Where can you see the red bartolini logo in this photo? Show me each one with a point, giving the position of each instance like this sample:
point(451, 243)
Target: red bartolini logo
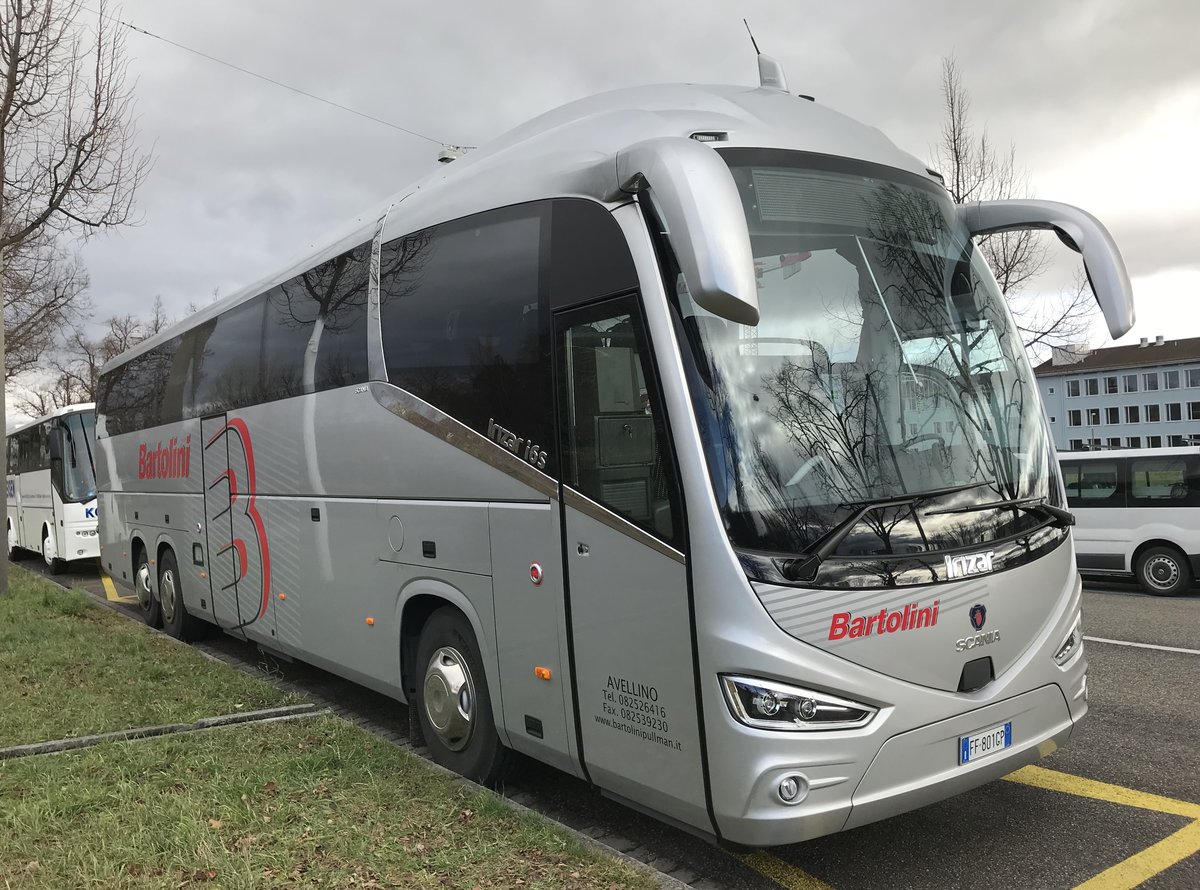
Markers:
point(885, 621)
point(170, 461)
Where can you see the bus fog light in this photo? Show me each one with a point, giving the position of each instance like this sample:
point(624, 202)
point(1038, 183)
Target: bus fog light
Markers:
point(767, 704)
point(793, 789)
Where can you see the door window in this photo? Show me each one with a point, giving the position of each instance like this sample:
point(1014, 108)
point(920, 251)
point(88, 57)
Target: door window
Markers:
point(614, 441)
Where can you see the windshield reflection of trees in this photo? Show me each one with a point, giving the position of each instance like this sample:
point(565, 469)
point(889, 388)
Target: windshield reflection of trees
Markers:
point(845, 422)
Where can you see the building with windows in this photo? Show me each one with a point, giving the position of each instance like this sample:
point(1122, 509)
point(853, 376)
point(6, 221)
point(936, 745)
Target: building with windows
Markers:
point(1145, 395)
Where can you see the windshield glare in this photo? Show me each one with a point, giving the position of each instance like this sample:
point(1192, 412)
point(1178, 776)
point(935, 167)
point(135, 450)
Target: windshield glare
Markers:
point(885, 364)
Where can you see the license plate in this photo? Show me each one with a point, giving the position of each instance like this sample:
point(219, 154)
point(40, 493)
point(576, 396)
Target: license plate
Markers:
point(984, 743)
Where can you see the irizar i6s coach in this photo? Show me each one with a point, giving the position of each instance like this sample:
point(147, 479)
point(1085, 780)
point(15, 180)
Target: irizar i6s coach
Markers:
point(680, 439)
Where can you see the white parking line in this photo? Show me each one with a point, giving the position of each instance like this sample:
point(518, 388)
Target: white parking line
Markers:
point(1143, 645)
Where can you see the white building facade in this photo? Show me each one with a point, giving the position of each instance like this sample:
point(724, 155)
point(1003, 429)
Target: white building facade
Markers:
point(1145, 395)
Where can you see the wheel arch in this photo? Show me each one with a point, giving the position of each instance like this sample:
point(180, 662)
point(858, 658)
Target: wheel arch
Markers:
point(1154, 542)
point(417, 601)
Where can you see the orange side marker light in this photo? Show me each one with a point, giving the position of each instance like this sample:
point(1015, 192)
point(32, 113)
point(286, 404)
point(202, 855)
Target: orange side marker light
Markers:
point(282, 596)
point(542, 673)
point(370, 621)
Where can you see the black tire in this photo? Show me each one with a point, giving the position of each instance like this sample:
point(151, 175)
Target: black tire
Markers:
point(476, 752)
point(151, 608)
point(175, 618)
point(15, 553)
point(55, 565)
point(1164, 571)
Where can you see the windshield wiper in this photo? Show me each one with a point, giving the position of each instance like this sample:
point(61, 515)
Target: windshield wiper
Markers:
point(1056, 516)
point(803, 567)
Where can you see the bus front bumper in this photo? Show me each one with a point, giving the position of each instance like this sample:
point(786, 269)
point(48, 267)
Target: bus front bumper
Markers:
point(911, 769)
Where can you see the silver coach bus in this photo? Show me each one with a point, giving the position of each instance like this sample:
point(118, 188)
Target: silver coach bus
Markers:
point(680, 439)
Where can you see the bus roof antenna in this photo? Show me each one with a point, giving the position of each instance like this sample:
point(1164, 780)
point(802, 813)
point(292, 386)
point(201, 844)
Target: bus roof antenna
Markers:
point(770, 72)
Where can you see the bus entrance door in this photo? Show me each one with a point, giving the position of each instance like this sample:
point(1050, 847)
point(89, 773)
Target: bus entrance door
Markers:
point(627, 586)
point(239, 565)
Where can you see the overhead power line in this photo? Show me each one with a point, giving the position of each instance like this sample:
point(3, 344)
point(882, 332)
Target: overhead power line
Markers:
point(277, 83)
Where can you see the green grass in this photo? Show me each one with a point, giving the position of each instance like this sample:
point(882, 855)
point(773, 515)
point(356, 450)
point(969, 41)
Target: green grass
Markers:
point(69, 667)
point(311, 803)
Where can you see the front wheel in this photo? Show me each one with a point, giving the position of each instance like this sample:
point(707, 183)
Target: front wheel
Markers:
point(453, 704)
point(50, 554)
point(1164, 571)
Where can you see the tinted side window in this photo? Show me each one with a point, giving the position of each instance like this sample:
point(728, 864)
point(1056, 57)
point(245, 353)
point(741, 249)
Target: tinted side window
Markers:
point(1164, 481)
point(135, 395)
point(590, 258)
point(229, 375)
point(323, 310)
point(1093, 483)
point(461, 307)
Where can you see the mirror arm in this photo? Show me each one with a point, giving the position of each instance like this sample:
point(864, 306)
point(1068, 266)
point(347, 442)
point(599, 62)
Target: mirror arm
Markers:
point(702, 209)
point(1080, 231)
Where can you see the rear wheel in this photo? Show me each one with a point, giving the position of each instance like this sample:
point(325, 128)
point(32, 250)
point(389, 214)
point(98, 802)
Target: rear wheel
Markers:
point(1164, 571)
point(453, 704)
point(50, 553)
point(175, 618)
point(151, 610)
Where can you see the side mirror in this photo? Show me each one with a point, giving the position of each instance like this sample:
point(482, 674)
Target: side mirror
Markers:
point(702, 210)
point(55, 440)
point(1081, 232)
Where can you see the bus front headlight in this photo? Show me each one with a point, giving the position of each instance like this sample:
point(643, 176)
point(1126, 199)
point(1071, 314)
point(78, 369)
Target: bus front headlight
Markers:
point(769, 704)
point(1072, 643)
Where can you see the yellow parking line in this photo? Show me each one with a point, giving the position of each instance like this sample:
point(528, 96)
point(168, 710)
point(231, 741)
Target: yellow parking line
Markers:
point(1142, 866)
point(781, 872)
point(110, 591)
point(1052, 780)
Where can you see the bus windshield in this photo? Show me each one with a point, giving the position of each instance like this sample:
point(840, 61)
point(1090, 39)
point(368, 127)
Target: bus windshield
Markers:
point(79, 478)
point(885, 364)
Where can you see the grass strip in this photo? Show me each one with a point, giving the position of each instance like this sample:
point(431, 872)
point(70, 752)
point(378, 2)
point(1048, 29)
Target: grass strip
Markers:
point(69, 667)
point(313, 804)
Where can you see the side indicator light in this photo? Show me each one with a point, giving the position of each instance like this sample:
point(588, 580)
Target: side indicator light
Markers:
point(204, 574)
point(370, 621)
point(282, 596)
point(542, 673)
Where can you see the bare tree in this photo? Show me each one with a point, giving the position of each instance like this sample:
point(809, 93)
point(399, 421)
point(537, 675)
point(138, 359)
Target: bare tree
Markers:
point(68, 160)
point(44, 290)
point(74, 368)
point(976, 171)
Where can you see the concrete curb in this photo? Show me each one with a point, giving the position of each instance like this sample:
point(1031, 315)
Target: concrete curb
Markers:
point(267, 715)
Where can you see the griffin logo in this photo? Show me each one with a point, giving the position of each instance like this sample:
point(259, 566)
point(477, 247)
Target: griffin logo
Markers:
point(978, 616)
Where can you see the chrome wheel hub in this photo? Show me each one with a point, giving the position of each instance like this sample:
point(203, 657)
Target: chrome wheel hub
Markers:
point(450, 698)
point(141, 584)
point(1162, 572)
point(167, 595)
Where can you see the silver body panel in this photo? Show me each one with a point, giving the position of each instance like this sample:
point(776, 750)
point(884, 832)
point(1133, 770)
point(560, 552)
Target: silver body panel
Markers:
point(350, 486)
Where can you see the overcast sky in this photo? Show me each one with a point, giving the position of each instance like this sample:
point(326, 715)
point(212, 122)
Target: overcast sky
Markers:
point(1100, 99)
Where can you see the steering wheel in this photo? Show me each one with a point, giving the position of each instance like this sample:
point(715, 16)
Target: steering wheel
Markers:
point(907, 444)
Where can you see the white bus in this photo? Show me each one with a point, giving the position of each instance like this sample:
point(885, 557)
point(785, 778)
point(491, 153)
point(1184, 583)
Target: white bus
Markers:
point(1138, 512)
point(52, 487)
point(680, 439)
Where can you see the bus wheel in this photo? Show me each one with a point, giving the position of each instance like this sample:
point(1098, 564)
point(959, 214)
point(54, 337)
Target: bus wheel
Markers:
point(14, 550)
point(151, 610)
point(50, 553)
point(1164, 571)
point(453, 704)
point(176, 620)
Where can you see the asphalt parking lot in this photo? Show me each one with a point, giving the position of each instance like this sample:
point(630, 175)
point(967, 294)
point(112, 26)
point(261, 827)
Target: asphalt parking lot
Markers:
point(1118, 807)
